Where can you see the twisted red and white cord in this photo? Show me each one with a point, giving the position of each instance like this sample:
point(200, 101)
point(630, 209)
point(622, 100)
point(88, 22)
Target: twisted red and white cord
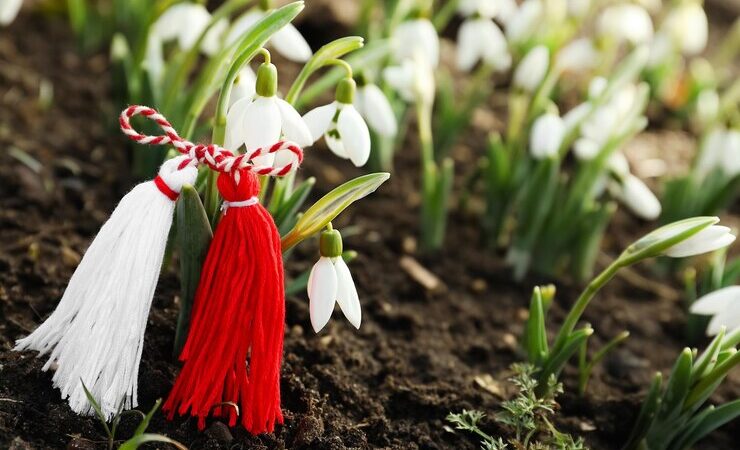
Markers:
point(214, 156)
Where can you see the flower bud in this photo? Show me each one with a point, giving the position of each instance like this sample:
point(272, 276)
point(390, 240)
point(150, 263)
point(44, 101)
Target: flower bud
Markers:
point(345, 92)
point(532, 69)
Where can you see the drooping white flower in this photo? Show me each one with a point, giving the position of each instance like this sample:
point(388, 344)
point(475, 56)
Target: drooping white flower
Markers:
point(262, 120)
point(707, 240)
point(724, 307)
point(687, 25)
point(661, 49)
point(638, 198)
point(330, 282)
point(413, 80)
point(532, 69)
point(524, 22)
point(9, 10)
point(480, 39)
point(288, 41)
point(154, 61)
point(720, 150)
point(579, 55)
point(373, 105)
point(215, 38)
point(626, 22)
point(183, 22)
point(416, 39)
point(345, 132)
point(546, 136)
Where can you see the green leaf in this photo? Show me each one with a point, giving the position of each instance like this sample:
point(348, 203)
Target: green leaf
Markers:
point(708, 383)
point(706, 362)
point(285, 215)
point(709, 420)
point(193, 237)
point(646, 415)
point(536, 334)
point(144, 424)
point(331, 205)
point(677, 387)
point(137, 441)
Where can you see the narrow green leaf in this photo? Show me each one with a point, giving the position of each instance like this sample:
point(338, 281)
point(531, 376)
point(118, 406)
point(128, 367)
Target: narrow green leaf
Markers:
point(331, 205)
point(144, 424)
point(137, 441)
point(98, 411)
point(646, 415)
point(536, 337)
point(677, 387)
point(285, 215)
point(193, 237)
point(705, 363)
point(708, 383)
point(712, 419)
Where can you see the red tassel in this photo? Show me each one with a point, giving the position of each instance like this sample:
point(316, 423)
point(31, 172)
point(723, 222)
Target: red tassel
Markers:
point(234, 349)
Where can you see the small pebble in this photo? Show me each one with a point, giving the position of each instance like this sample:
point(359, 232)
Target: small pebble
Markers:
point(220, 432)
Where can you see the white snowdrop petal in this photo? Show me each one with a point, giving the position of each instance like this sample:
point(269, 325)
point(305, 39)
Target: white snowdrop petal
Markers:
point(154, 61)
point(242, 25)
point(290, 43)
point(214, 39)
point(235, 124)
point(336, 146)
point(354, 135)
point(347, 297)
point(688, 26)
point(577, 56)
point(9, 10)
point(401, 78)
point(319, 119)
point(524, 21)
point(626, 22)
point(710, 155)
point(468, 45)
point(493, 46)
point(262, 125)
point(532, 69)
point(417, 36)
point(639, 198)
point(706, 240)
point(294, 128)
point(377, 110)
point(546, 136)
point(731, 152)
point(716, 302)
point(322, 292)
point(586, 149)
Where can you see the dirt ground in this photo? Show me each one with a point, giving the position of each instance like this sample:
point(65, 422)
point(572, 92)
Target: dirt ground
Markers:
point(64, 166)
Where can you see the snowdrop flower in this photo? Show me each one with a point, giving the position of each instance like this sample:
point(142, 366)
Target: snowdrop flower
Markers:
point(638, 198)
point(720, 150)
point(288, 41)
point(262, 120)
point(416, 39)
point(578, 56)
point(330, 282)
point(724, 307)
point(688, 27)
point(344, 131)
point(480, 39)
point(546, 136)
point(413, 80)
point(9, 10)
point(707, 240)
point(183, 22)
point(524, 22)
point(626, 22)
point(532, 69)
point(373, 105)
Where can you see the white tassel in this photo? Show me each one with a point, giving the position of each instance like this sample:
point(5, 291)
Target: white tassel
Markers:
point(96, 333)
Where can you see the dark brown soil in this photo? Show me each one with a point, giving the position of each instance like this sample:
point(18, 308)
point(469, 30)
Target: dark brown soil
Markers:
point(390, 385)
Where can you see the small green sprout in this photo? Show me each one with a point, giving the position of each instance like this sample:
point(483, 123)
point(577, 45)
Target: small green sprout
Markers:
point(140, 435)
point(526, 416)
